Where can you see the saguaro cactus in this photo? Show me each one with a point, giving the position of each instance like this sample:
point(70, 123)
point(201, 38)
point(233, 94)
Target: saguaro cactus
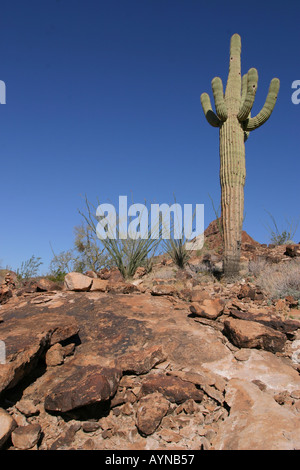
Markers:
point(233, 118)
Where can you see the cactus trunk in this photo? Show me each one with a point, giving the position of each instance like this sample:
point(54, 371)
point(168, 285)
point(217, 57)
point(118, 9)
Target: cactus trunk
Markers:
point(232, 180)
point(235, 123)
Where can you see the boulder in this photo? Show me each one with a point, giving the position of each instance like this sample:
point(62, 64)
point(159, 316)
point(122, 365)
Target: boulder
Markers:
point(288, 327)
point(249, 334)
point(84, 386)
point(78, 282)
point(208, 308)
point(100, 285)
point(151, 410)
point(173, 388)
point(44, 284)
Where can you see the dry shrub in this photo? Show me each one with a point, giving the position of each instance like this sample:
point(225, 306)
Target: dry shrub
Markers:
point(257, 266)
point(280, 280)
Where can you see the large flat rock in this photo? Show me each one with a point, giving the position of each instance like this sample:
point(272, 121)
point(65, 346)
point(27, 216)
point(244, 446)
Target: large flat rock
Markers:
point(27, 340)
point(256, 421)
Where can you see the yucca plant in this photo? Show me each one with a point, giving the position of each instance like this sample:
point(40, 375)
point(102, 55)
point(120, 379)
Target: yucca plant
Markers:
point(176, 244)
point(127, 254)
point(282, 237)
point(177, 251)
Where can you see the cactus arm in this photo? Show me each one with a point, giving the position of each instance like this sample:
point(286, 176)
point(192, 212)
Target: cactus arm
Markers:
point(211, 117)
point(258, 120)
point(247, 102)
point(217, 88)
point(234, 81)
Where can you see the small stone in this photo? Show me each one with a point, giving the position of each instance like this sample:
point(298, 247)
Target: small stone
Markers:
point(295, 394)
point(127, 409)
point(55, 355)
point(90, 426)
point(242, 354)
point(26, 437)
point(7, 425)
point(27, 407)
point(170, 436)
point(163, 290)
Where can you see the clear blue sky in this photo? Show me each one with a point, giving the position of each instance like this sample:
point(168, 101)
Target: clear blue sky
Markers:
point(103, 100)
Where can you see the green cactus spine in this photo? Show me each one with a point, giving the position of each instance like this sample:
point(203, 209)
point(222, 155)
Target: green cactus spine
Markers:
point(233, 118)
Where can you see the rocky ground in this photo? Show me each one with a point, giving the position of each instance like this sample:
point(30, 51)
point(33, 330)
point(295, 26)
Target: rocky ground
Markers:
point(174, 359)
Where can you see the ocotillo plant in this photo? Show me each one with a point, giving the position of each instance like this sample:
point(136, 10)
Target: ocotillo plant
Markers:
point(233, 118)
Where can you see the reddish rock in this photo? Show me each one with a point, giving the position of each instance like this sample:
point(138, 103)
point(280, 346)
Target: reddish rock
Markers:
point(27, 407)
point(194, 295)
point(173, 388)
point(5, 294)
point(163, 290)
point(256, 421)
point(112, 275)
point(292, 251)
point(55, 355)
point(246, 291)
point(91, 274)
point(100, 285)
point(288, 327)
point(7, 425)
point(213, 237)
point(77, 282)
point(26, 437)
point(140, 362)
point(65, 440)
point(84, 386)
point(43, 285)
point(208, 308)
point(121, 287)
point(151, 410)
point(249, 334)
point(28, 340)
point(140, 272)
